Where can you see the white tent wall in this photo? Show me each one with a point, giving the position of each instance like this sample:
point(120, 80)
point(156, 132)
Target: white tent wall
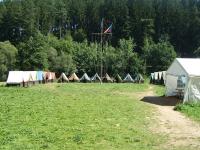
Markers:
point(172, 74)
point(15, 77)
point(160, 75)
point(171, 85)
point(27, 76)
point(156, 76)
point(192, 90)
point(164, 76)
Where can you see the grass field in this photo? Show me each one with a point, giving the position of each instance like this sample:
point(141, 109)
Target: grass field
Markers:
point(191, 110)
point(76, 116)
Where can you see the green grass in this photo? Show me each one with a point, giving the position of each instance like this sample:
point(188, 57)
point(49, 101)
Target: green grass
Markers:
point(2, 83)
point(191, 110)
point(159, 90)
point(75, 116)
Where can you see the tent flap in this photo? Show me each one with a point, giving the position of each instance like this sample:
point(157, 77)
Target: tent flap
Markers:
point(192, 91)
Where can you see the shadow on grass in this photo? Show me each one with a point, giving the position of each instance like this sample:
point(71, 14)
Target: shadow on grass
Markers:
point(161, 100)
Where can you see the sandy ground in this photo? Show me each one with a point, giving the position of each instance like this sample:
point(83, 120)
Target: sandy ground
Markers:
point(180, 130)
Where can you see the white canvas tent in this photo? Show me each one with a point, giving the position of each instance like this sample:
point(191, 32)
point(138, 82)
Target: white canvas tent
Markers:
point(63, 78)
point(190, 68)
point(19, 78)
point(128, 78)
point(14, 77)
point(33, 75)
point(85, 78)
point(96, 78)
point(74, 78)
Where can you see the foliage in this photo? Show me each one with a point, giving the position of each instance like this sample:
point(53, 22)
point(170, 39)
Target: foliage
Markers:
point(76, 116)
point(131, 18)
point(8, 59)
point(128, 60)
point(56, 35)
point(191, 110)
point(33, 53)
point(160, 56)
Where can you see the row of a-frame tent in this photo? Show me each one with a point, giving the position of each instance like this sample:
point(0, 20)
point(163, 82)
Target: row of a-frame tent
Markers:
point(26, 78)
point(96, 78)
point(158, 77)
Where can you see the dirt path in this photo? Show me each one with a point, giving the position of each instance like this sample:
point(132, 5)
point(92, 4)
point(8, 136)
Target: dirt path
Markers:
point(182, 131)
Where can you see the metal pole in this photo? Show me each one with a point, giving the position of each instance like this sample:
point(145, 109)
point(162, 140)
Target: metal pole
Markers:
point(102, 48)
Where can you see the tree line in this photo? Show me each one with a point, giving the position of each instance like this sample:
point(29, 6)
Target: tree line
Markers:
point(56, 34)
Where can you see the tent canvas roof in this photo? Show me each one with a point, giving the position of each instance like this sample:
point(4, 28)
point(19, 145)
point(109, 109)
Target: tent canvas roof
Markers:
point(15, 77)
point(188, 65)
point(85, 77)
point(27, 76)
point(73, 77)
point(118, 78)
point(64, 77)
point(107, 78)
point(139, 77)
point(96, 78)
point(128, 78)
point(33, 75)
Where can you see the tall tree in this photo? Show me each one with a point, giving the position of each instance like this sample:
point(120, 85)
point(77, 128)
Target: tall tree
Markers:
point(33, 53)
point(8, 59)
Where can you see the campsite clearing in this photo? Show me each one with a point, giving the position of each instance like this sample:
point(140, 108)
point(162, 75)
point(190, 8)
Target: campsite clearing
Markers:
point(75, 116)
point(90, 116)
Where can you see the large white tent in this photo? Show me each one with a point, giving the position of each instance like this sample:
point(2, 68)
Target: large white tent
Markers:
point(15, 77)
point(190, 69)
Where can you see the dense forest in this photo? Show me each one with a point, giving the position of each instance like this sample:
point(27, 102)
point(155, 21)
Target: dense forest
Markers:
point(56, 35)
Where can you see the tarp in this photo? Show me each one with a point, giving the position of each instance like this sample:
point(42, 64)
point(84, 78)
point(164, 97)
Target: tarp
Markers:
point(128, 78)
point(85, 78)
point(15, 77)
point(63, 78)
point(74, 78)
point(107, 78)
point(118, 78)
point(96, 78)
point(39, 75)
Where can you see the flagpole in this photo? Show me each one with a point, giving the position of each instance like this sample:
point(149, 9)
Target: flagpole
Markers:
point(102, 47)
point(102, 33)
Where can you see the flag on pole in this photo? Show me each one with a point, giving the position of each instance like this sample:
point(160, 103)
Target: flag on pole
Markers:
point(109, 30)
